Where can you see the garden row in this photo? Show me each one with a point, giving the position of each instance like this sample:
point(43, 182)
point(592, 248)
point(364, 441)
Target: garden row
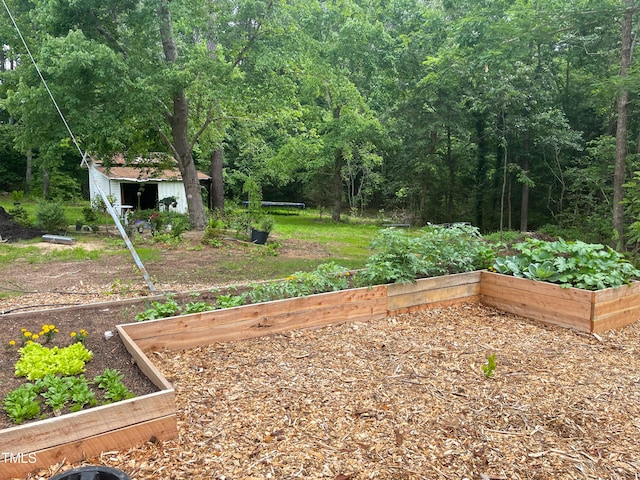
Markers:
point(152, 417)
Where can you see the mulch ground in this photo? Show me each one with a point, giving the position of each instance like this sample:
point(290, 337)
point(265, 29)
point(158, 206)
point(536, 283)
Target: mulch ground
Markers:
point(402, 398)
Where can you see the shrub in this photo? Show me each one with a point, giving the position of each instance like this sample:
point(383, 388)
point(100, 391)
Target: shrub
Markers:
point(50, 217)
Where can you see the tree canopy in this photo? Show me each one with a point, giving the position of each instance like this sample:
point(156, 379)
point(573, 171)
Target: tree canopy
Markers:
point(505, 114)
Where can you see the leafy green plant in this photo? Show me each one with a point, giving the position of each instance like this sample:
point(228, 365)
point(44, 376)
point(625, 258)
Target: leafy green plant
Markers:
point(50, 217)
point(36, 361)
point(159, 310)
point(230, 301)
point(325, 278)
point(56, 391)
point(589, 266)
point(111, 382)
point(81, 394)
point(433, 251)
point(197, 307)
point(489, 368)
point(21, 404)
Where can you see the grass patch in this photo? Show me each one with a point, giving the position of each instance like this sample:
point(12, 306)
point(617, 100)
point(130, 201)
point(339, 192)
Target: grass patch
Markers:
point(345, 241)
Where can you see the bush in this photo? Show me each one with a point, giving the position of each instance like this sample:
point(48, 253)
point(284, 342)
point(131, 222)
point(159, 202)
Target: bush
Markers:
point(50, 217)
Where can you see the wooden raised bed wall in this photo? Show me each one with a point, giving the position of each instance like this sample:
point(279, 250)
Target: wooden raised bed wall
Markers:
point(255, 320)
point(587, 311)
point(429, 292)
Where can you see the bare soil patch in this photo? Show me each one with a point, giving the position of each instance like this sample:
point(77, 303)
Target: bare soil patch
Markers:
point(88, 295)
point(403, 398)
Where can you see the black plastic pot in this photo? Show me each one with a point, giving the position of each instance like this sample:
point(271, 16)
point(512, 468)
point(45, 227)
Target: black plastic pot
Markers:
point(92, 473)
point(259, 237)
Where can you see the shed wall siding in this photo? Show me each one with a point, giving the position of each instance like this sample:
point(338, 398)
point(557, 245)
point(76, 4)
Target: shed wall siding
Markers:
point(174, 189)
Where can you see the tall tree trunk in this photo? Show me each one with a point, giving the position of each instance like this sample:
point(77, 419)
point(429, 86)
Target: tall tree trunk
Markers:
point(622, 125)
point(452, 176)
point(481, 169)
point(524, 198)
point(179, 120)
point(45, 182)
point(337, 186)
point(28, 171)
point(217, 181)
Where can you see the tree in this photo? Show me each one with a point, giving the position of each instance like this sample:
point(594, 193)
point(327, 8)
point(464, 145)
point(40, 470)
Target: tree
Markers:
point(622, 128)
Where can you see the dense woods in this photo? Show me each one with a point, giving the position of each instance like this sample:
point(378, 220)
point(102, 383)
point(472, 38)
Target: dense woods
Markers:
point(508, 114)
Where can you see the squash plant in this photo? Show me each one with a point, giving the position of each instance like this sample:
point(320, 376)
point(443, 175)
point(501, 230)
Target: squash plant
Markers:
point(589, 266)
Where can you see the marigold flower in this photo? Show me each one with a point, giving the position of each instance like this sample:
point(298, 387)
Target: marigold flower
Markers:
point(12, 342)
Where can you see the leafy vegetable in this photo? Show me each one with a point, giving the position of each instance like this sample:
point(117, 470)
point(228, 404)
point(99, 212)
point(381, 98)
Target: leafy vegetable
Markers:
point(36, 361)
point(570, 264)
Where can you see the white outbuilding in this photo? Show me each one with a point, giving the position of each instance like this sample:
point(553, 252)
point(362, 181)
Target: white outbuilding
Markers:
point(141, 183)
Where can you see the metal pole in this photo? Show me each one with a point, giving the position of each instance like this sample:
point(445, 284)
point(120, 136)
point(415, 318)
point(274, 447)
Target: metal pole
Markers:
point(124, 235)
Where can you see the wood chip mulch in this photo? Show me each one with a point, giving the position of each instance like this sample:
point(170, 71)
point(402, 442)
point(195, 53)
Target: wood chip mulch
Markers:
point(402, 398)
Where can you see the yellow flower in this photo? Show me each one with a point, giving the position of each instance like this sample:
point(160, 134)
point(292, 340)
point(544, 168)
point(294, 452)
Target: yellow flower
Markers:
point(72, 334)
point(23, 330)
point(12, 342)
point(27, 334)
point(35, 336)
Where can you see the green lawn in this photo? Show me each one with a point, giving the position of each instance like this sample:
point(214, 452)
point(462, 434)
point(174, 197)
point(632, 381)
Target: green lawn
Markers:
point(348, 242)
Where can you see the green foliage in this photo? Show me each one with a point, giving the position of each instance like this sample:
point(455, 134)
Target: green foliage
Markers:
point(20, 215)
point(159, 310)
point(50, 217)
point(197, 307)
point(214, 232)
point(111, 382)
point(21, 404)
point(89, 215)
point(325, 278)
point(230, 301)
point(81, 394)
point(433, 251)
point(36, 361)
point(570, 264)
point(55, 390)
point(489, 368)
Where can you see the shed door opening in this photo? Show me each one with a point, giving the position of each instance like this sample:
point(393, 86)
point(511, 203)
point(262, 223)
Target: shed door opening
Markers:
point(148, 199)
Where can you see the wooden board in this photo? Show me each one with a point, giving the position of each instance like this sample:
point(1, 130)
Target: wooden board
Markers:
point(429, 292)
point(616, 307)
point(74, 427)
point(255, 320)
point(545, 302)
point(157, 429)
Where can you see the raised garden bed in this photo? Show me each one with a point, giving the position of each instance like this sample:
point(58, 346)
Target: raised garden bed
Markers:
point(152, 417)
point(75, 436)
point(584, 310)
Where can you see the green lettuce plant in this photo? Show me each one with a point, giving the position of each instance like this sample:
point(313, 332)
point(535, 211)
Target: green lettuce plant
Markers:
point(111, 382)
point(36, 361)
